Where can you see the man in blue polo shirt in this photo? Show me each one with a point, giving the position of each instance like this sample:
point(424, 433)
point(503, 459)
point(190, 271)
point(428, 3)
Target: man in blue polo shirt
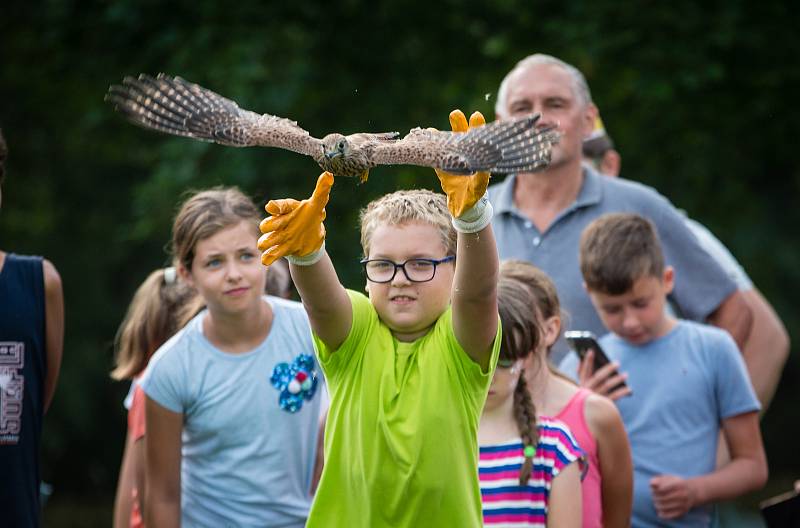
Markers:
point(539, 216)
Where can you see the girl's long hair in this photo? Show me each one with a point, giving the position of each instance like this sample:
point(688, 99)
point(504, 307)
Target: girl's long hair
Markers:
point(521, 335)
point(158, 310)
point(543, 294)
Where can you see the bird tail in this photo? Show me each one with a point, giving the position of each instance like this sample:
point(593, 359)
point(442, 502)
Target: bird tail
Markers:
point(173, 106)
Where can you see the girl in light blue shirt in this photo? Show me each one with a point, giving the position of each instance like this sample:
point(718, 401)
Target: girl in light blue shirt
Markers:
point(234, 399)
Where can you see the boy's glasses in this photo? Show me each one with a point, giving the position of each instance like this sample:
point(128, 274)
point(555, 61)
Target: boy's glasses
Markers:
point(415, 270)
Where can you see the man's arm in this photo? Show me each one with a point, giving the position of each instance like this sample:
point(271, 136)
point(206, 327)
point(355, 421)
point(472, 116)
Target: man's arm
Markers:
point(766, 349)
point(734, 315)
point(54, 328)
point(295, 231)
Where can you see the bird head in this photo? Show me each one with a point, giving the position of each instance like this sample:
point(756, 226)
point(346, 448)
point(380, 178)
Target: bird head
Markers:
point(335, 146)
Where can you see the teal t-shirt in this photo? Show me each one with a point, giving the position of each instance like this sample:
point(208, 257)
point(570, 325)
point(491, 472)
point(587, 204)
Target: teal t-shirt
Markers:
point(401, 445)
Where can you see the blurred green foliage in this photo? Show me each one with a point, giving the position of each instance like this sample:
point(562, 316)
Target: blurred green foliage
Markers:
point(698, 97)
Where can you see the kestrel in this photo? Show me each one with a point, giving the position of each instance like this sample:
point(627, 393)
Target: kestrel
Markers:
point(176, 106)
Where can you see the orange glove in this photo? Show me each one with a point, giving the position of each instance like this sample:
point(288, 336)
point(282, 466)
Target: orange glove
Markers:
point(463, 191)
point(295, 229)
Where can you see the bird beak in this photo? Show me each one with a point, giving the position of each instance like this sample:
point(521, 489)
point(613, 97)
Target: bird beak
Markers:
point(334, 154)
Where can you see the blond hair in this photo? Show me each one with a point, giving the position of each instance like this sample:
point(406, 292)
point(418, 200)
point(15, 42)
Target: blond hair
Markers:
point(401, 207)
point(616, 250)
point(157, 311)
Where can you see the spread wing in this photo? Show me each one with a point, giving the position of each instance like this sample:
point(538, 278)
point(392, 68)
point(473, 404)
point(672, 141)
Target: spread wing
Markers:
point(500, 146)
point(176, 106)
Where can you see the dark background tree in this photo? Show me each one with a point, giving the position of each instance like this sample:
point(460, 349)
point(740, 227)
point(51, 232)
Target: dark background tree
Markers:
point(698, 100)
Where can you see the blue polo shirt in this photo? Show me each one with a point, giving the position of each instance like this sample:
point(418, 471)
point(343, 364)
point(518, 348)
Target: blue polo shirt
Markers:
point(700, 283)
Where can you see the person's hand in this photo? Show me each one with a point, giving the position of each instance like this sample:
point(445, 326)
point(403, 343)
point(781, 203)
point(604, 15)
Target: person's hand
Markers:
point(604, 379)
point(295, 228)
point(673, 496)
point(463, 191)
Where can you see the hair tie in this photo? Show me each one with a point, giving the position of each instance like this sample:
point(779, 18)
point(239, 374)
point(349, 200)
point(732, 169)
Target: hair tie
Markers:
point(170, 274)
point(529, 451)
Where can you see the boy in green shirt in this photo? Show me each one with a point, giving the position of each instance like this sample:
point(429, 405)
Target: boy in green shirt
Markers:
point(408, 369)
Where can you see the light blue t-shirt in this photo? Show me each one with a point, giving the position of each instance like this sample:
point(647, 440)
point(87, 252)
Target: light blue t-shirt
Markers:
point(247, 459)
point(684, 384)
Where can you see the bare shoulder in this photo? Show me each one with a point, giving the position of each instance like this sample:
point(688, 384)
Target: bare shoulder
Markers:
point(52, 279)
point(601, 415)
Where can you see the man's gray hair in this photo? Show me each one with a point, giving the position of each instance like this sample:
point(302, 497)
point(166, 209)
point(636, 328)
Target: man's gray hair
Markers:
point(579, 86)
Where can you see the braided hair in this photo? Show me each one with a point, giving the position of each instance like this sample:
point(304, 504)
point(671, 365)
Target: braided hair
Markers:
point(521, 334)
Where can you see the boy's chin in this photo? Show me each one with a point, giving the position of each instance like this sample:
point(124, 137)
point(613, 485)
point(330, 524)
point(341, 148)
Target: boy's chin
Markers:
point(408, 330)
point(638, 339)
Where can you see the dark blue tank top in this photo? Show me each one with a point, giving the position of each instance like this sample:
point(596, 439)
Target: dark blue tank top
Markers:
point(23, 366)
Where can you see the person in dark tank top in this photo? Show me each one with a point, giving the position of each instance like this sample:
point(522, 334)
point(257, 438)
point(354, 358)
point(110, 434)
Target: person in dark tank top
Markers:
point(31, 342)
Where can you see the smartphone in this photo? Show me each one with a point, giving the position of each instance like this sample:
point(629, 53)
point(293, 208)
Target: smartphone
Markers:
point(581, 342)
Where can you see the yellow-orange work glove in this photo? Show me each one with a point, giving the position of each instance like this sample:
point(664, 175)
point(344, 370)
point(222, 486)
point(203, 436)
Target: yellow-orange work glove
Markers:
point(295, 229)
point(464, 192)
point(466, 195)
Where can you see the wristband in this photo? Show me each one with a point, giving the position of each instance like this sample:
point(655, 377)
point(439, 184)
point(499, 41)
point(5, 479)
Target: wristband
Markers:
point(307, 260)
point(476, 217)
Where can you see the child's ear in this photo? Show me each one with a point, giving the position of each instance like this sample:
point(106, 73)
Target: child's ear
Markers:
point(552, 329)
point(669, 279)
point(185, 275)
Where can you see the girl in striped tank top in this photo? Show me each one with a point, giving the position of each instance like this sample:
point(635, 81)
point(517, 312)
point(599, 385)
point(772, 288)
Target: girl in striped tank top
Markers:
point(529, 470)
point(595, 422)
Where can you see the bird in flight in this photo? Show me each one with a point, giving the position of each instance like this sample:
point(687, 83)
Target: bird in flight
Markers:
point(179, 107)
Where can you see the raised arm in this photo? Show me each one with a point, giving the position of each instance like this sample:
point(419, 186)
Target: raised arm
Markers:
point(295, 230)
point(54, 329)
point(474, 297)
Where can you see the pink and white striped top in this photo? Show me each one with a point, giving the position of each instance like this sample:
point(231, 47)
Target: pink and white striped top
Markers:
point(507, 504)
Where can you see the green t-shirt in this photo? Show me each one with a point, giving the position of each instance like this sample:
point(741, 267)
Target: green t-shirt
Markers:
point(401, 446)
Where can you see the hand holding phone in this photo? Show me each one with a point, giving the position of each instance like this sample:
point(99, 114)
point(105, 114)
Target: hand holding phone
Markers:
point(604, 379)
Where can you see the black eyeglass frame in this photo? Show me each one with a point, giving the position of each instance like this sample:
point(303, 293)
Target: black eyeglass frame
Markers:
point(402, 266)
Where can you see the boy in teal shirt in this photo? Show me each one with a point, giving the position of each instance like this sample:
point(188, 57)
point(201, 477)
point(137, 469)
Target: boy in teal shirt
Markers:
point(408, 369)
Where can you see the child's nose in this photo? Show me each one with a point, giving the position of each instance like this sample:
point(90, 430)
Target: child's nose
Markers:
point(234, 273)
point(629, 319)
point(400, 277)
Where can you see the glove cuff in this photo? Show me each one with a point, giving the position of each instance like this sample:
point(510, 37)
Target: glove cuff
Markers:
point(307, 260)
point(476, 217)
